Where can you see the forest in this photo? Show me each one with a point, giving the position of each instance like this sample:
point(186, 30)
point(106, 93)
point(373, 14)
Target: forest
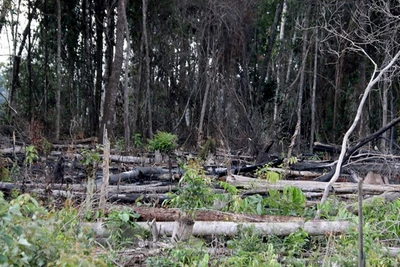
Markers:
point(244, 73)
point(265, 106)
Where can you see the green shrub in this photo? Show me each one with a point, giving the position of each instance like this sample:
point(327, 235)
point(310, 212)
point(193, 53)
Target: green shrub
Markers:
point(32, 236)
point(196, 192)
point(163, 141)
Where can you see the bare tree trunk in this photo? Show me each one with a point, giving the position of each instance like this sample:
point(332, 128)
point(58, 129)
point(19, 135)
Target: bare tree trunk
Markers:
point(279, 77)
point(338, 88)
point(58, 66)
point(127, 128)
point(314, 89)
point(112, 87)
point(106, 173)
point(270, 44)
point(99, 14)
point(294, 144)
point(147, 59)
point(385, 91)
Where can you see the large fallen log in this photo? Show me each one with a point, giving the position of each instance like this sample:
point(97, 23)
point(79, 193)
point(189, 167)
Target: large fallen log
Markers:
point(156, 187)
point(206, 228)
point(171, 214)
point(307, 186)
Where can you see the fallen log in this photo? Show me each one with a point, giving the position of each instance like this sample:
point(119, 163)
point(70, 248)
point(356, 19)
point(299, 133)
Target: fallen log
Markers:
point(144, 173)
point(172, 214)
point(388, 196)
point(307, 186)
point(157, 187)
point(206, 228)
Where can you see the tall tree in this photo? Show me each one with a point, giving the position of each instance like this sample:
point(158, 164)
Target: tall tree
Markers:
point(58, 66)
point(107, 121)
point(147, 70)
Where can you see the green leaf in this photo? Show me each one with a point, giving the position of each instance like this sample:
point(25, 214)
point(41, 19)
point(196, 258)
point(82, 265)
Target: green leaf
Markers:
point(3, 259)
point(23, 242)
point(124, 217)
point(7, 239)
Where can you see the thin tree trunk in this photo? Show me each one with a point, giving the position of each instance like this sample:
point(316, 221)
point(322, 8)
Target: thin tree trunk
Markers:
point(338, 88)
point(147, 59)
point(17, 57)
point(58, 66)
point(127, 128)
point(385, 92)
point(106, 173)
point(279, 77)
point(314, 90)
point(99, 14)
point(208, 75)
point(270, 44)
point(112, 87)
point(294, 144)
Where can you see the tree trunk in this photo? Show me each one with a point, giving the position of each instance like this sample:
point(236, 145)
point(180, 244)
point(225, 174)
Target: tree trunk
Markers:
point(58, 66)
point(106, 173)
point(314, 90)
point(294, 145)
point(147, 77)
point(17, 57)
point(112, 87)
point(127, 128)
point(270, 44)
point(279, 76)
point(99, 15)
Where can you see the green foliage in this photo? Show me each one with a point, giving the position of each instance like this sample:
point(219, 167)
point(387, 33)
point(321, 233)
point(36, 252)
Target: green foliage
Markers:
point(189, 254)
point(266, 173)
point(137, 141)
point(31, 154)
point(163, 141)
point(120, 145)
point(194, 191)
point(91, 157)
point(249, 249)
point(32, 236)
point(121, 226)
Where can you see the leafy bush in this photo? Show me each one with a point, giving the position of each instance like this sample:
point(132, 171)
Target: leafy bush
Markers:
point(121, 224)
point(196, 192)
point(163, 141)
point(32, 236)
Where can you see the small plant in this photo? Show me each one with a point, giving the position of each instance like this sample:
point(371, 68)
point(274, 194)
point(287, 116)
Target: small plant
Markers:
point(137, 141)
point(31, 154)
point(163, 141)
point(91, 159)
point(121, 226)
point(196, 192)
point(266, 173)
point(32, 236)
point(120, 145)
point(290, 202)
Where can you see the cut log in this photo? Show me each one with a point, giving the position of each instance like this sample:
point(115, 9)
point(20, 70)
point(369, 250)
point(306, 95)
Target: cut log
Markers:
point(183, 228)
point(156, 187)
point(307, 186)
point(161, 214)
point(204, 228)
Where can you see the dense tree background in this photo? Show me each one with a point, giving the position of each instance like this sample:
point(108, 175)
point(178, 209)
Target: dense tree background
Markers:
point(243, 72)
